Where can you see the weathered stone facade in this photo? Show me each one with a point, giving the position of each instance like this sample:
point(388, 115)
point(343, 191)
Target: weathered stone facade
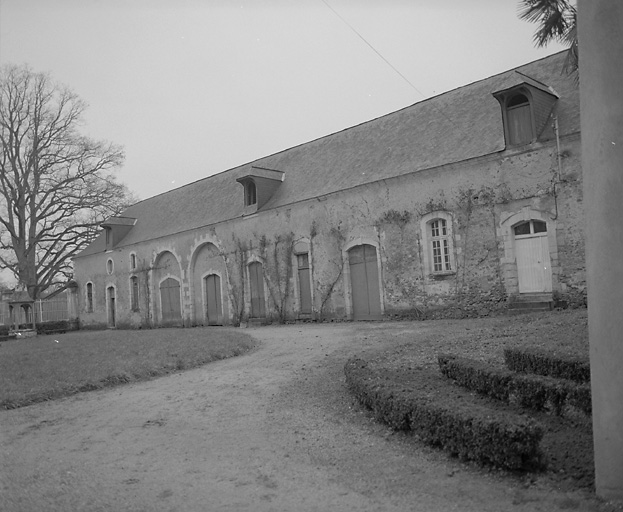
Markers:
point(414, 229)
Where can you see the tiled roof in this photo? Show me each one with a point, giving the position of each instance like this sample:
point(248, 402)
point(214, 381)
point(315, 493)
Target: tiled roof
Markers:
point(458, 125)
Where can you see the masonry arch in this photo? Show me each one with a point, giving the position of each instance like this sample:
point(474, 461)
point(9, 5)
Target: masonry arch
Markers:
point(257, 287)
point(362, 280)
point(167, 277)
point(210, 301)
point(530, 252)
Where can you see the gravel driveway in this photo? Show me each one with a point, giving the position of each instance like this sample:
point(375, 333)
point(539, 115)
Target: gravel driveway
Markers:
point(274, 429)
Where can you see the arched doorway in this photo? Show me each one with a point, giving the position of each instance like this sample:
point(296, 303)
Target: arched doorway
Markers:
point(213, 302)
point(256, 281)
point(364, 281)
point(534, 270)
point(110, 300)
point(208, 292)
point(170, 301)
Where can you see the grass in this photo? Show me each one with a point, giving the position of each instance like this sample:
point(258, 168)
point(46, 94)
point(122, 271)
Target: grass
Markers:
point(52, 366)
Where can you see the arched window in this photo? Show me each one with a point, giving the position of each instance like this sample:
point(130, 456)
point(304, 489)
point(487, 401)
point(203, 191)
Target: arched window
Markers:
point(109, 266)
point(89, 297)
point(438, 243)
point(519, 124)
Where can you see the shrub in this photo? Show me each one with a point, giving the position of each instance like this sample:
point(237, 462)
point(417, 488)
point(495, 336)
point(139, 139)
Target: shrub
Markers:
point(537, 392)
point(541, 362)
point(443, 415)
point(53, 327)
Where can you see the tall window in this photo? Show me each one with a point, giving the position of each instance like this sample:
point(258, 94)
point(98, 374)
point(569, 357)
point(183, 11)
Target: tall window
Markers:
point(134, 292)
point(89, 297)
point(133, 261)
point(440, 245)
point(250, 193)
point(519, 120)
point(437, 243)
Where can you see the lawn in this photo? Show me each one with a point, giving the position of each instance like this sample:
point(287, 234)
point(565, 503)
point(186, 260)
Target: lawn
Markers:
point(568, 445)
point(52, 366)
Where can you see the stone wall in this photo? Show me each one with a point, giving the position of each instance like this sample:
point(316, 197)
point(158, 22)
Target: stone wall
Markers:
point(482, 198)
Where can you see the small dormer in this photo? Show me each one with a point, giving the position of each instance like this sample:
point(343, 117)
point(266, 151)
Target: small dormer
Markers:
point(526, 107)
point(116, 228)
point(259, 186)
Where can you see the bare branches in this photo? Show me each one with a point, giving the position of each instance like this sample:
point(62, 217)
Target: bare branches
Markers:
point(56, 186)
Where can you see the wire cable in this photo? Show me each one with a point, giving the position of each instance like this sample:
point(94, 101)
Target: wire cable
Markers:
point(383, 58)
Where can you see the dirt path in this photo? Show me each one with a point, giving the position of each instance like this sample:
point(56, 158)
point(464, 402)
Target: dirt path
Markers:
point(273, 430)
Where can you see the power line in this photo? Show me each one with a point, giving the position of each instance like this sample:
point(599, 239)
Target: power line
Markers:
point(384, 59)
point(374, 49)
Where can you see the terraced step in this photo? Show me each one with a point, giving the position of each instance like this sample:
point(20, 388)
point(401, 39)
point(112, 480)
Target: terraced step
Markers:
point(423, 403)
point(561, 397)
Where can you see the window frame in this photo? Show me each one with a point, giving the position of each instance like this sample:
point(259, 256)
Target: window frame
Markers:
point(440, 246)
point(429, 240)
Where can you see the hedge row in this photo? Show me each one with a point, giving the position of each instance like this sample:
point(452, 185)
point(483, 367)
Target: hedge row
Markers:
point(443, 415)
point(53, 327)
point(534, 360)
point(537, 392)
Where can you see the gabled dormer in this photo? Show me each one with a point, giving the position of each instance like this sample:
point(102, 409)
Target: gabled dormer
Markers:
point(259, 186)
point(116, 228)
point(526, 108)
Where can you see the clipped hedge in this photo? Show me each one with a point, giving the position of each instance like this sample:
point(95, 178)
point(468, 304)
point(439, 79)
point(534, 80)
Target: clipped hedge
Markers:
point(54, 327)
point(541, 362)
point(443, 415)
point(537, 392)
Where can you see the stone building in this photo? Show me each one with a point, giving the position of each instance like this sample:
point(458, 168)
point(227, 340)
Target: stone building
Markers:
point(460, 205)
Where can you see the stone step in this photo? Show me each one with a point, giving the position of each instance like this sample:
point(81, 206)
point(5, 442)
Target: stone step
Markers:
point(530, 306)
point(256, 322)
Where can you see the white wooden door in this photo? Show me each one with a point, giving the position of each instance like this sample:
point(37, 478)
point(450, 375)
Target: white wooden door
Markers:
point(533, 264)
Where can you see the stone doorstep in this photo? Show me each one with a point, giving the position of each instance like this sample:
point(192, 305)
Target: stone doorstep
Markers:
point(531, 302)
point(256, 322)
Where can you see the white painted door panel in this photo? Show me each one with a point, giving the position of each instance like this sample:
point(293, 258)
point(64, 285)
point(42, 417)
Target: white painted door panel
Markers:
point(533, 264)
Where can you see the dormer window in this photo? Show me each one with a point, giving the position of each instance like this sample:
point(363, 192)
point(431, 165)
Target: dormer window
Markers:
point(519, 120)
point(116, 229)
point(260, 185)
point(527, 107)
point(250, 193)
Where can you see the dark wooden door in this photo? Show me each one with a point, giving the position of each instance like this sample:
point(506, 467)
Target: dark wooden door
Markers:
point(170, 300)
point(258, 303)
point(112, 321)
point(214, 308)
point(364, 280)
point(304, 283)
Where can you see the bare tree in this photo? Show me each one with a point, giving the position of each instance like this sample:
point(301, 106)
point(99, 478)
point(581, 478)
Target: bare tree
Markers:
point(56, 185)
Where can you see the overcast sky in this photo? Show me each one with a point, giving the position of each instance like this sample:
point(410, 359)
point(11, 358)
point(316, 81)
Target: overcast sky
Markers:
point(194, 87)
